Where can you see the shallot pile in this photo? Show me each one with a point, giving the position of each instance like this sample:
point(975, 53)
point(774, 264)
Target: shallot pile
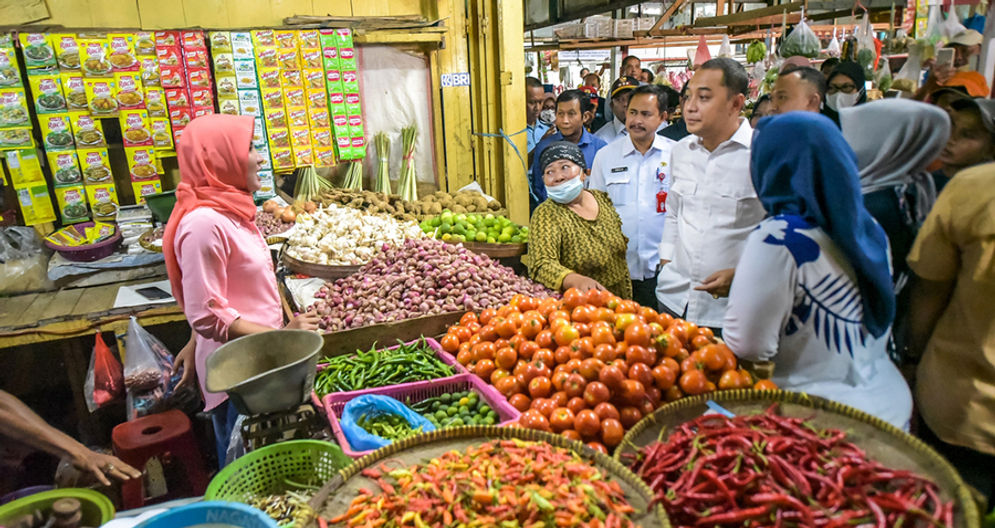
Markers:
point(270, 224)
point(420, 277)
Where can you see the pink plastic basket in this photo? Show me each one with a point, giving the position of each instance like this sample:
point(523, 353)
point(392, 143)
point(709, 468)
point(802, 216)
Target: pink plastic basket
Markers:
point(416, 392)
point(446, 358)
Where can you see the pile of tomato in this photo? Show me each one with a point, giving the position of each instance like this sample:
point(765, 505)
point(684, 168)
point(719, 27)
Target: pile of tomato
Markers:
point(590, 365)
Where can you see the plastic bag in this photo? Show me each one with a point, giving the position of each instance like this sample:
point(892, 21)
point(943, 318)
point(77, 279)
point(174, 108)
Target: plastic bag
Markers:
point(725, 50)
point(866, 50)
point(834, 49)
point(372, 405)
point(802, 41)
point(934, 24)
point(24, 261)
point(147, 368)
point(882, 76)
point(701, 55)
point(104, 381)
point(907, 78)
point(951, 25)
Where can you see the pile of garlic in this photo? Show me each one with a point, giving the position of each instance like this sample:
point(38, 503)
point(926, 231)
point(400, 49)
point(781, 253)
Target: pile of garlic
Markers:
point(342, 236)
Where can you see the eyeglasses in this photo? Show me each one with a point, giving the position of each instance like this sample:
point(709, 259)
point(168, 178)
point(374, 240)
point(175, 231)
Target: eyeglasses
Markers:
point(845, 88)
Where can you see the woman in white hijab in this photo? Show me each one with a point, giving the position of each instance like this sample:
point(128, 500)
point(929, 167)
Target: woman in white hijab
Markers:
point(895, 140)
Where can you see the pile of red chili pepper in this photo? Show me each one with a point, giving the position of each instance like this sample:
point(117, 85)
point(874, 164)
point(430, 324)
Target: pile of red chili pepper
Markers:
point(507, 483)
point(769, 470)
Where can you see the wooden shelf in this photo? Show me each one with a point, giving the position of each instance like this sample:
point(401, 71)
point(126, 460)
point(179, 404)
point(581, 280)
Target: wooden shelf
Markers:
point(434, 36)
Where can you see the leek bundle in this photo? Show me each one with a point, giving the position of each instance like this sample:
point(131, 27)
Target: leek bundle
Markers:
point(382, 184)
point(354, 177)
point(407, 185)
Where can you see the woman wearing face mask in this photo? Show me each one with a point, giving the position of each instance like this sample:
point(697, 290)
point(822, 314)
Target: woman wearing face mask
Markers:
point(217, 260)
point(576, 238)
point(845, 89)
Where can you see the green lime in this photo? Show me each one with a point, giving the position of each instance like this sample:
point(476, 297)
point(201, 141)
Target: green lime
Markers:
point(440, 415)
point(504, 238)
point(489, 421)
point(491, 240)
point(481, 236)
point(452, 411)
point(516, 239)
point(446, 227)
point(456, 422)
point(436, 404)
point(460, 217)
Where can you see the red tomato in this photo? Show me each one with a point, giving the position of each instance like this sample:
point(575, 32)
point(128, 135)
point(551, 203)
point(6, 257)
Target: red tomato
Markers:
point(508, 386)
point(595, 298)
point(487, 315)
point(561, 419)
point(468, 317)
point(461, 332)
point(637, 334)
point(595, 393)
point(450, 343)
point(765, 385)
point(647, 406)
point(544, 339)
point(548, 305)
point(605, 352)
point(488, 332)
point(640, 354)
point(602, 334)
point(465, 357)
point(587, 423)
point(665, 320)
point(543, 405)
point(533, 419)
point(632, 392)
point(562, 354)
point(582, 314)
point(624, 320)
point(572, 435)
point(565, 335)
point(627, 306)
point(605, 315)
point(680, 329)
point(583, 329)
point(506, 358)
point(520, 402)
point(630, 416)
point(590, 367)
point(612, 377)
point(572, 298)
point(664, 377)
point(559, 378)
point(641, 373)
point(730, 380)
point(497, 375)
point(574, 385)
point(655, 396)
point(700, 341)
point(694, 382)
point(672, 394)
point(605, 410)
point(540, 387)
point(560, 398)
point(612, 432)
point(527, 349)
point(712, 357)
point(485, 368)
point(585, 345)
point(597, 446)
point(544, 356)
point(576, 405)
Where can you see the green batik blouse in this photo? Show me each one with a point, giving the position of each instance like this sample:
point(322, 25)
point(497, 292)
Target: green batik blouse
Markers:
point(561, 242)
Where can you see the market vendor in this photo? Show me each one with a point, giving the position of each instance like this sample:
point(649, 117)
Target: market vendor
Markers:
point(813, 291)
point(576, 238)
point(20, 424)
point(218, 263)
point(573, 107)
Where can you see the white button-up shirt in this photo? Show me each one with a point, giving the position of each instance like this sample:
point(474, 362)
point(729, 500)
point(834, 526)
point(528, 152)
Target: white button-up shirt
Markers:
point(610, 131)
point(711, 209)
point(633, 181)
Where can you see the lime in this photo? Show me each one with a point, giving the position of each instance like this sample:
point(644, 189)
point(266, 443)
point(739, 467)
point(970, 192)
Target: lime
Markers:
point(435, 222)
point(445, 398)
point(491, 240)
point(504, 238)
point(516, 239)
point(452, 411)
point(481, 236)
point(464, 401)
point(460, 217)
point(456, 422)
point(489, 421)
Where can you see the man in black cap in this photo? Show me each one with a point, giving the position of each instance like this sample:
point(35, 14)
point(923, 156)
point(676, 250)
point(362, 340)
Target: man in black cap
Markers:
point(619, 95)
point(678, 130)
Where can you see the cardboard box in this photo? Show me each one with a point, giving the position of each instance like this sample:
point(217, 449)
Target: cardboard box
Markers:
point(95, 165)
point(72, 204)
point(65, 168)
point(87, 131)
point(35, 203)
point(122, 53)
point(24, 167)
point(101, 97)
point(136, 129)
point(56, 132)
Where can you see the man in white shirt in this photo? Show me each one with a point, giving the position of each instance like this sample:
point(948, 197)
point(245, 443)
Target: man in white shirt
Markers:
point(631, 67)
point(711, 204)
point(619, 96)
point(634, 171)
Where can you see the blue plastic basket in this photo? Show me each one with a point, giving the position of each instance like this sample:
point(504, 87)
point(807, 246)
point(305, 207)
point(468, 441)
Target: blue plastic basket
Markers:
point(215, 513)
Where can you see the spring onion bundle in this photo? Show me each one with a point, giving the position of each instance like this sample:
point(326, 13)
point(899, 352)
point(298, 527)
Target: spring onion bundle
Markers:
point(407, 185)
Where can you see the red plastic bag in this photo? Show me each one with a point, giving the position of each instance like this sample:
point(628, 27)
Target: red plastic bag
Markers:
point(105, 379)
point(702, 55)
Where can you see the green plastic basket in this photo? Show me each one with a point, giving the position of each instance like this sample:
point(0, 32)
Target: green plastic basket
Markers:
point(266, 471)
point(97, 509)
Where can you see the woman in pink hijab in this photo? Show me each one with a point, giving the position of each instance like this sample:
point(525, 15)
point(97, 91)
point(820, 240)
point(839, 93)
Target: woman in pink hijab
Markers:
point(217, 260)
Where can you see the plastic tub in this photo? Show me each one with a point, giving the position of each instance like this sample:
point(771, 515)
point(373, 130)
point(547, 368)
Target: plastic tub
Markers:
point(96, 508)
point(89, 252)
point(23, 492)
point(416, 392)
point(161, 205)
point(214, 514)
point(446, 358)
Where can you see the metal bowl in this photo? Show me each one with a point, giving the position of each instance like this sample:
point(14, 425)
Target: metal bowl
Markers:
point(265, 372)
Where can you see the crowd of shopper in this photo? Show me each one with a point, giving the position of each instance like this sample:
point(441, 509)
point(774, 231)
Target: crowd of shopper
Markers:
point(838, 238)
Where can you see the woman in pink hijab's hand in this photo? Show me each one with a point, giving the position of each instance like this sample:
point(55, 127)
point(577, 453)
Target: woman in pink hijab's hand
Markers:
point(218, 263)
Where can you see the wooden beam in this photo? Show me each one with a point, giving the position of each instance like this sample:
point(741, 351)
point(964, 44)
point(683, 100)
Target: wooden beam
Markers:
point(663, 18)
point(749, 15)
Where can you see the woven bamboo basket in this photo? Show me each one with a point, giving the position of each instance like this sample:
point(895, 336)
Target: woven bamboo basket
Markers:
point(419, 449)
point(879, 439)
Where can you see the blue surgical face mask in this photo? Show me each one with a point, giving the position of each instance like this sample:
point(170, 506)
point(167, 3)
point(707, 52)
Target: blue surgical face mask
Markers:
point(567, 191)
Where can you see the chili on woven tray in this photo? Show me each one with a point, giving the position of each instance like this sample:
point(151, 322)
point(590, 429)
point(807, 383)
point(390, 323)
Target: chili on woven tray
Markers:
point(771, 470)
point(507, 483)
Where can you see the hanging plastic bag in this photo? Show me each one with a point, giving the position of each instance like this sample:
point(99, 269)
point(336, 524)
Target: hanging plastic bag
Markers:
point(24, 262)
point(834, 49)
point(934, 24)
point(104, 381)
point(882, 76)
point(702, 55)
point(951, 25)
point(801, 42)
point(866, 50)
point(725, 50)
point(147, 368)
point(370, 405)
